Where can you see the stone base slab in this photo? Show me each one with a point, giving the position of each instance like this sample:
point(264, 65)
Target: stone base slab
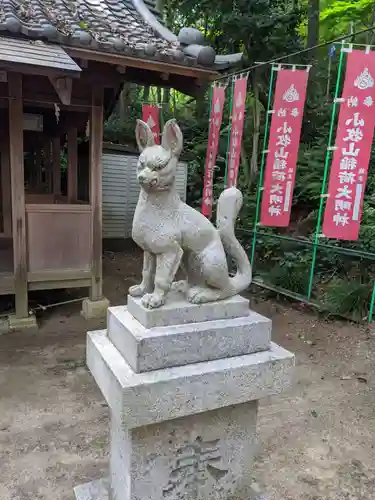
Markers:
point(94, 308)
point(178, 311)
point(99, 490)
point(29, 324)
point(151, 397)
point(162, 347)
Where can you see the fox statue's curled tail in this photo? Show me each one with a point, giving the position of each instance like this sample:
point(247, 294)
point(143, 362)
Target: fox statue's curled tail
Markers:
point(228, 207)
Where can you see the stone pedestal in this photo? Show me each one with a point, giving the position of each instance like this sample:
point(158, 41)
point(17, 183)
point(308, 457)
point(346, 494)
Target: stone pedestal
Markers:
point(183, 384)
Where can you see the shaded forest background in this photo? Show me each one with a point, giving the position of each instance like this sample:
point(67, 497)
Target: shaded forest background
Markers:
point(264, 30)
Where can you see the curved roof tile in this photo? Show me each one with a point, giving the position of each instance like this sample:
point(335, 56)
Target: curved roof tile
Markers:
point(108, 25)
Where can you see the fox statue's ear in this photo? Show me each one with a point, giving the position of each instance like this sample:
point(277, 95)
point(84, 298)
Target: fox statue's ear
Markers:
point(143, 136)
point(172, 139)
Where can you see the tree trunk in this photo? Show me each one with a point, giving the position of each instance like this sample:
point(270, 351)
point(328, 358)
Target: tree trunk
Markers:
point(159, 95)
point(313, 24)
point(256, 132)
point(370, 35)
point(146, 94)
point(123, 101)
point(160, 6)
point(167, 98)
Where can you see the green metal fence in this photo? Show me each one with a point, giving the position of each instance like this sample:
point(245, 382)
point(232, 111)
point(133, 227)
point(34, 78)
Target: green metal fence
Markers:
point(310, 286)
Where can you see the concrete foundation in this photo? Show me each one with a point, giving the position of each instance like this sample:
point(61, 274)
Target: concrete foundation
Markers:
point(183, 399)
point(28, 324)
point(4, 326)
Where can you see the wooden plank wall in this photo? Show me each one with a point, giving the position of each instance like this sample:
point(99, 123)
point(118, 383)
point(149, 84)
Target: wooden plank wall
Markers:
point(5, 195)
point(58, 237)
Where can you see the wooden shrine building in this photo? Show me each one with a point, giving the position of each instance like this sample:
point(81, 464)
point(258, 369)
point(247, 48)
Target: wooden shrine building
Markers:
point(62, 67)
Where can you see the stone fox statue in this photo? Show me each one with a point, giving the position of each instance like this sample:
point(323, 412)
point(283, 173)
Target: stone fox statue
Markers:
point(172, 234)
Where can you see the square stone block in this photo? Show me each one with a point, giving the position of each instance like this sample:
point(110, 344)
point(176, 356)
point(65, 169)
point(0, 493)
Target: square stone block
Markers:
point(94, 308)
point(207, 456)
point(156, 396)
point(147, 349)
point(178, 311)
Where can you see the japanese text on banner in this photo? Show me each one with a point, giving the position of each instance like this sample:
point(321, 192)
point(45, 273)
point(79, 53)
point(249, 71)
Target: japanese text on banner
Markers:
point(150, 115)
point(352, 151)
point(238, 118)
point(216, 116)
point(283, 145)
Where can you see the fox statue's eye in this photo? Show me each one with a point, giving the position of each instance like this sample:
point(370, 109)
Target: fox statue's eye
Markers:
point(158, 166)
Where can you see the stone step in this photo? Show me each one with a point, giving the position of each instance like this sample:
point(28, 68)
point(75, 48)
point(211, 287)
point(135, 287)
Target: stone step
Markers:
point(146, 349)
point(178, 311)
point(145, 398)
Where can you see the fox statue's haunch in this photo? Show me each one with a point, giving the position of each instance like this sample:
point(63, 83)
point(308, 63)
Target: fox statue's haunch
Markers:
point(172, 233)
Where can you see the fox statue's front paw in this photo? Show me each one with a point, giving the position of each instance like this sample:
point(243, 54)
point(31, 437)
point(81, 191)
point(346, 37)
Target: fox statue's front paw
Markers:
point(137, 290)
point(153, 300)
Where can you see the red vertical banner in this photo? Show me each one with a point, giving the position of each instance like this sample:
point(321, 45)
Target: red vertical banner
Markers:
point(216, 116)
point(238, 118)
point(150, 115)
point(352, 150)
point(283, 145)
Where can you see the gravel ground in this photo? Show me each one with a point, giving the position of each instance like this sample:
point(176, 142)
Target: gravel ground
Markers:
point(316, 441)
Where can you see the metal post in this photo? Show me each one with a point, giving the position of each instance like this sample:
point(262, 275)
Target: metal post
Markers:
point(229, 131)
point(371, 306)
point(262, 163)
point(325, 176)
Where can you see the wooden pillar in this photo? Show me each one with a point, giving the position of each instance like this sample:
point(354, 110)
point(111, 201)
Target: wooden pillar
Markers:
point(56, 169)
point(32, 179)
point(47, 164)
point(96, 144)
point(72, 164)
point(38, 168)
point(6, 186)
point(18, 192)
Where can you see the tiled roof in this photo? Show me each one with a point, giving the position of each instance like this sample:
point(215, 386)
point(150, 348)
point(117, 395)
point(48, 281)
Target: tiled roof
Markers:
point(104, 25)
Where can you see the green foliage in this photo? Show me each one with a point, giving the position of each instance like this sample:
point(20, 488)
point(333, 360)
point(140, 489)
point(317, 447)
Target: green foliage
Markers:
point(290, 273)
point(337, 16)
point(349, 298)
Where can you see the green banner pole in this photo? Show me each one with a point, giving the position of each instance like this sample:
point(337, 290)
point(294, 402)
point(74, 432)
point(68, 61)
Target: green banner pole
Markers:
point(325, 177)
point(262, 164)
point(371, 306)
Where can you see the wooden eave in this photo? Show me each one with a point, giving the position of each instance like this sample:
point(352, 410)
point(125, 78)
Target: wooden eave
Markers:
point(195, 72)
point(36, 57)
